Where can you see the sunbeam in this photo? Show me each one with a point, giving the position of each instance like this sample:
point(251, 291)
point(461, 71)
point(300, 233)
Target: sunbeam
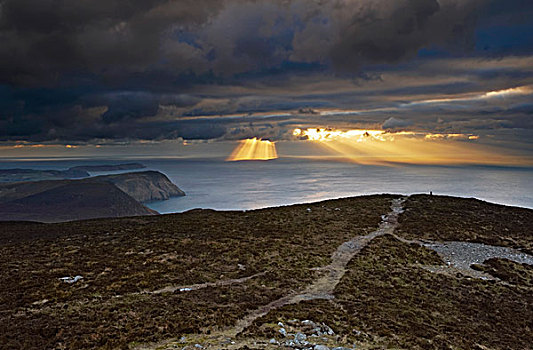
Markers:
point(254, 149)
point(379, 147)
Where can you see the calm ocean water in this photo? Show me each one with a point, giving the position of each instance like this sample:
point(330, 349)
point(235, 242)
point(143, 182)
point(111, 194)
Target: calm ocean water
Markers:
point(216, 184)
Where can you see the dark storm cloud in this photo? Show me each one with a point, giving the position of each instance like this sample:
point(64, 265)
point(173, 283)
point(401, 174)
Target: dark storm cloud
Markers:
point(52, 41)
point(380, 34)
point(133, 105)
point(44, 40)
point(113, 69)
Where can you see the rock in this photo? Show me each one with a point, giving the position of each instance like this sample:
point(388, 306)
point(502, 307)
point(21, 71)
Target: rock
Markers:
point(327, 329)
point(273, 341)
point(299, 337)
point(198, 346)
point(227, 341)
point(183, 339)
point(320, 347)
point(290, 344)
point(71, 280)
point(283, 332)
point(308, 210)
point(309, 323)
point(280, 324)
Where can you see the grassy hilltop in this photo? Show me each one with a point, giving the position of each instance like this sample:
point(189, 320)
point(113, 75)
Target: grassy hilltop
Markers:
point(174, 281)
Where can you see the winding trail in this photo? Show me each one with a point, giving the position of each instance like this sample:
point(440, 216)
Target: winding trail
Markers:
point(458, 255)
point(192, 287)
point(323, 287)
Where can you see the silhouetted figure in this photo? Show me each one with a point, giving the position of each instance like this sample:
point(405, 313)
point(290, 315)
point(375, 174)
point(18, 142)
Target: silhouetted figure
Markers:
point(431, 193)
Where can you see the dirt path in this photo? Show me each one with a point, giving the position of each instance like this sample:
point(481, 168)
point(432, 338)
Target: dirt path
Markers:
point(458, 256)
point(323, 287)
point(192, 287)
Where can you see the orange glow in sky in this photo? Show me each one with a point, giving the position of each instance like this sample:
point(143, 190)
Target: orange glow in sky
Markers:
point(254, 149)
point(380, 147)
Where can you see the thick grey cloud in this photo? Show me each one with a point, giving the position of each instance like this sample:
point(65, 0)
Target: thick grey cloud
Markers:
point(115, 69)
point(52, 41)
point(45, 41)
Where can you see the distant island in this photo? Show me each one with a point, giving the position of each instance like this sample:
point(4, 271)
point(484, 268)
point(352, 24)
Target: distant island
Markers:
point(95, 197)
point(76, 172)
point(20, 175)
point(97, 168)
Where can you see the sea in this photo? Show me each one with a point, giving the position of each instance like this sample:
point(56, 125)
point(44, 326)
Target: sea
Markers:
point(217, 184)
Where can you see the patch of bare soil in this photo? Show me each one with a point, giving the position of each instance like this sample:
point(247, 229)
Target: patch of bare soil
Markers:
point(442, 218)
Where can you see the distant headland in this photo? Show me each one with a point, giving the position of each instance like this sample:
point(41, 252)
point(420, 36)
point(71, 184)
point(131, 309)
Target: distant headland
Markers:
point(76, 172)
point(55, 200)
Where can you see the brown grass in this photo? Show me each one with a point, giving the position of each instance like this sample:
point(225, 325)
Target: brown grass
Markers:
point(119, 257)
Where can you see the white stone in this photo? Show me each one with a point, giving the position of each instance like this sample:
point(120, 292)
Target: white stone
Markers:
point(320, 347)
point(71, 280)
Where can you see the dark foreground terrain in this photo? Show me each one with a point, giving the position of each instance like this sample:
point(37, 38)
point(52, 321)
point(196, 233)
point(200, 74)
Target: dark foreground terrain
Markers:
point(367, 272)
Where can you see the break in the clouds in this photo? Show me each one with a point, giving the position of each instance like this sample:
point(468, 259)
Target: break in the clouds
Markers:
point(91, 70)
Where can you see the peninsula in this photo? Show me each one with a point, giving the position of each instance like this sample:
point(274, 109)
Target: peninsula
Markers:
point(95, 197)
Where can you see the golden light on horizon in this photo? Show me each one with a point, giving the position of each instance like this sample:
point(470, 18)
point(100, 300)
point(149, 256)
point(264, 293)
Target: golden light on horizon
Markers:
point(254, 149)
point(324, 134)
point(519, 90)
point(380, 147)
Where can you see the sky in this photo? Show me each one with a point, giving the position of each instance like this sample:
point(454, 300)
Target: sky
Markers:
point(448, 81)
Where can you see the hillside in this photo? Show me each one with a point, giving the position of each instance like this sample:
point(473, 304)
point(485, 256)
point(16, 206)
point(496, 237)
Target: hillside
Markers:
point(73, 201)
point(101, 196)
point(352, 273)
point(143, 186)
